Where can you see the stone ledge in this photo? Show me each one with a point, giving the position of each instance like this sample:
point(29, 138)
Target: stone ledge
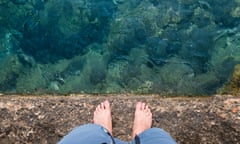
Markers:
point(46, 119)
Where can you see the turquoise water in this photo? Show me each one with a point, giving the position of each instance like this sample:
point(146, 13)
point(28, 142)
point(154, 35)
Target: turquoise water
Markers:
point(171, 47)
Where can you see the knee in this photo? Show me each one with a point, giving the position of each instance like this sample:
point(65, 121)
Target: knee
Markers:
point(154, 135)
point(159, 132)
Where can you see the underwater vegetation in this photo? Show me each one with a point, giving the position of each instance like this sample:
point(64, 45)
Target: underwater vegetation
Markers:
point(171, 47)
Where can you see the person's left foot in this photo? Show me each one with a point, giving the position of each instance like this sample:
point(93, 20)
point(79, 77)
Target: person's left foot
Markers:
point(102, 116)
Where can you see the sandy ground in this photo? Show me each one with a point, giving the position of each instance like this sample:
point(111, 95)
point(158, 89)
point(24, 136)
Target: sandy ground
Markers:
point(190, 120)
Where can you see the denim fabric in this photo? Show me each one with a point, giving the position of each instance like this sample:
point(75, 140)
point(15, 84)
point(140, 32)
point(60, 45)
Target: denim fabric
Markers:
point(87, 134)
point(96, 134)
point(155, 136)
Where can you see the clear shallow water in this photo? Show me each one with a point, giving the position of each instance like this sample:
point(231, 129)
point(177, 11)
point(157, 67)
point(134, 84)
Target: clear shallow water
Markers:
point(118, 46)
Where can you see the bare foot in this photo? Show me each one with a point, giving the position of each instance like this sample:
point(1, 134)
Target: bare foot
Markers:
point(102, 116)
point(142, 120)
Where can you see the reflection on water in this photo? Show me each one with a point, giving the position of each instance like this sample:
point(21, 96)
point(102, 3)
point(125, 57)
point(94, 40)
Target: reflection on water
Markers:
point(170, 47)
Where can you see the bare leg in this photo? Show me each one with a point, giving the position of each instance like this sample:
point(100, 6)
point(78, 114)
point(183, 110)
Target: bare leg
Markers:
point(102, 116)
point(142, 120)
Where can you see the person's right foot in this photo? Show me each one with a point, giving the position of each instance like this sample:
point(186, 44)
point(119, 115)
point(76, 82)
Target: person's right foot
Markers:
point(102, 116)
point(142, 120)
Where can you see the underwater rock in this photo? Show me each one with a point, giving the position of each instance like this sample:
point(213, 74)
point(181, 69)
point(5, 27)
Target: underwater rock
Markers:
point(197, 47)
point(5, 45)
point(146, 87)
point(63, 29)
point(116, 2)
point(26, 60)
point(202, 17)
point(32, 80)
point(9, 72)
point(103, 9)
point(132, 28)
point(3, 2)
point(236, 12)
point(97, 76)
point(157, 50)
point(54, 86)
point(233, 86)
point(95, 68)
point(19, 2)
point(175, 70)
point(204, 84)
point(9, 42)
point(225, 53)
point(187, 2)
point(222, 13)
point(236, 77)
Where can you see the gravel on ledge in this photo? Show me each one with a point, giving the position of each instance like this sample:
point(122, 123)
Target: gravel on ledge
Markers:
point(190, 120)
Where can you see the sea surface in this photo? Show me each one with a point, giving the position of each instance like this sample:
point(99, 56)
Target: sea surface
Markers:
point(167, 47)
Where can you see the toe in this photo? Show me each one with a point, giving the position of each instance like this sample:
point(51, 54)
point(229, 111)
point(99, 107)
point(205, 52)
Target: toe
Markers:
point(148, 110)
point(138, 106)
point(143, 106)
point(102, 105)
point(145, 110)
point(106, 104)
point(98, 107)
point(146, 107)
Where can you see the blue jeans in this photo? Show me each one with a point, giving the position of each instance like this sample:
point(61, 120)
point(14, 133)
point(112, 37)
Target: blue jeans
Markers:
point(96, 134)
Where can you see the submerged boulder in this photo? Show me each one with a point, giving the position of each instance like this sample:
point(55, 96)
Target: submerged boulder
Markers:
point(19, 2)
point(233, 86)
